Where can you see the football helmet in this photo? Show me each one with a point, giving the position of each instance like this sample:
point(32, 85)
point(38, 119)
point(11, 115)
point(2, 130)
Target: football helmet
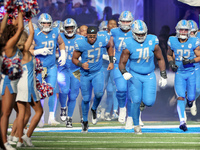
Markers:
point(103, 26)
point(125, 16)
point(69, 23)
point(59, 25)
point(45, 18)
point(139, 31)
point(194, 27)
point(183, 25)
point(26, 28)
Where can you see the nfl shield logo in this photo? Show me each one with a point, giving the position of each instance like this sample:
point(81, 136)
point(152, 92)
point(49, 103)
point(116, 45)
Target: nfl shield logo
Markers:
point(53, 36)
point(100, 44)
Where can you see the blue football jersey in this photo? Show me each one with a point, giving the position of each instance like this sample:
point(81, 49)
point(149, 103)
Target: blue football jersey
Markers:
point(69, 49)
point(141, 55)
point(118, 38)
point(91, 53)
point(49, 41)
point(183, 50)
point(198, 34)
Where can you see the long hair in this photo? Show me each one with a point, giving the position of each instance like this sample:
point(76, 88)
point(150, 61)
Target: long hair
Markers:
point(22, 41)
point(8, 33)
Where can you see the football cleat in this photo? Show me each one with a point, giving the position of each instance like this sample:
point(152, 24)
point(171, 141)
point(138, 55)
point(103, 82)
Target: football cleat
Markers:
point(107, 116)
point(53, 122)
point(63, 114)
point(102, 115)
point(138, 130)
point(81, 120)
point(115, 115)
point(142, 106)
point(94, 116)
point(183, 127)
point(69, 122)
point(85, 127)
point(193, 109)
point(189, 103)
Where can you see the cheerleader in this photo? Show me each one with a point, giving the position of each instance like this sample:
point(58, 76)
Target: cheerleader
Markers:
point(27, 91)
point(10, 37)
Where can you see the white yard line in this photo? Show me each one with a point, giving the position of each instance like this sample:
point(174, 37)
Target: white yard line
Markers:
point(107, 137)
point(114, 142)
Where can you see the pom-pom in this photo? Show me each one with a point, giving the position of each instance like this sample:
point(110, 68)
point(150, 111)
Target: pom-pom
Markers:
point(12, 68)
point(44, 89)
point(38, 66)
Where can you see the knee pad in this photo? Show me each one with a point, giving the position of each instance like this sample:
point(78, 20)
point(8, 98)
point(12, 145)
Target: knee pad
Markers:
point(64, 90)
point(98, 95)
point(73, 97)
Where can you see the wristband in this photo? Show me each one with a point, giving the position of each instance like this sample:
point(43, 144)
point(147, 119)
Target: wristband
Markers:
point(80, 64)
point(192, 61)
point(171, 63)
point(111, 59)
point(123, 71)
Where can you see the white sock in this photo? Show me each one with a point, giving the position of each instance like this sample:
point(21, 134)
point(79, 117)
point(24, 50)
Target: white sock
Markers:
point(182, 121)
point(51, 116)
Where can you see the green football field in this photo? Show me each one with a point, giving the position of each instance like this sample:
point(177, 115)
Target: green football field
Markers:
point(113, 136)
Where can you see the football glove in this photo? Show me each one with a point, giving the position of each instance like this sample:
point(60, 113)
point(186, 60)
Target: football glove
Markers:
point(62, 58)
point(187, 61)
point(173, 66)
point(127, 76)
point(42, 51)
